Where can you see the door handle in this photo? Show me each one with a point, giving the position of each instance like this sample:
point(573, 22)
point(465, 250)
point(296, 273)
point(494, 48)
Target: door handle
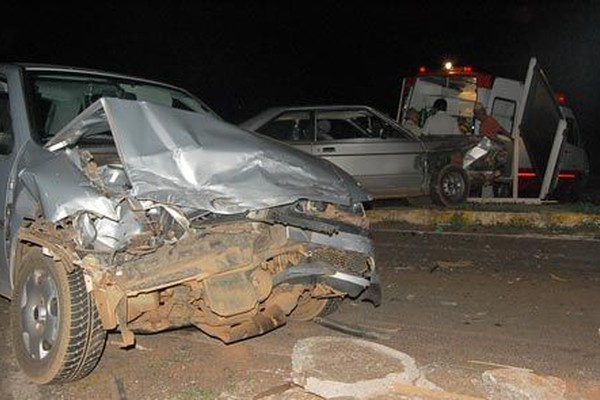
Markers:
point(328, 150)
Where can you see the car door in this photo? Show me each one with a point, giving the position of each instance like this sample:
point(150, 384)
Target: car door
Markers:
point(384, 158)
point(6, 161)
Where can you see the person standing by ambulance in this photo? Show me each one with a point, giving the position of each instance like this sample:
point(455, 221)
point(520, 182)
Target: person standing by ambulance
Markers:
point(488, 125)
point(441, 123)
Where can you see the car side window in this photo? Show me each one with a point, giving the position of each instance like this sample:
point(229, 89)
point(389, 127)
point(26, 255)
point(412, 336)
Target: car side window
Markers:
point(355, 124)
point(291, 126)
point(6, 131)
point(338, 125)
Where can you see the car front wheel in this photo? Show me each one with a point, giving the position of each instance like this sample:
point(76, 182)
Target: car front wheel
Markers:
point(450, 186)
point(56, 331)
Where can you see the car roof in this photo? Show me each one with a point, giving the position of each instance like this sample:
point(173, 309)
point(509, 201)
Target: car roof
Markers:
point(83, 70)
point(319, 107)
point(271, 112)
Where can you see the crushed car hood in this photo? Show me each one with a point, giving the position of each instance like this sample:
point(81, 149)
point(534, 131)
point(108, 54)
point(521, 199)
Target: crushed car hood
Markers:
point(196, 161)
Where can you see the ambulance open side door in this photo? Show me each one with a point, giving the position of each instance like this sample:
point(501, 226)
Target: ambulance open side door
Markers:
point(541, 125)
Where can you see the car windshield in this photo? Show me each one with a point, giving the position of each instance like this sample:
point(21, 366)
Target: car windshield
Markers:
point(55, 98)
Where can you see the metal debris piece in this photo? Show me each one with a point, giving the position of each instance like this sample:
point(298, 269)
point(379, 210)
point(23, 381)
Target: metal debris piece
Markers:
point(120, 387)
point(492, 364)
point(558, 278)
point(277, 390)
point(356, 330)
point(450, 265)
point(449, 303)
point(416, 392)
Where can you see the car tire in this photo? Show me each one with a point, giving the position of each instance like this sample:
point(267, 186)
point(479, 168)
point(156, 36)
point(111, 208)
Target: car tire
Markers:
point(57, 334)
point(450, 186)
point(311, 308)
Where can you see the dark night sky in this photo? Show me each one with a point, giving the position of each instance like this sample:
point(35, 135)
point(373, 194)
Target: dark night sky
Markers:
point(241, 57)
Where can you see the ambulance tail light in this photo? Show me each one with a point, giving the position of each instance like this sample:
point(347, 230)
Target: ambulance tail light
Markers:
point(567, 176)
point(526, 175)
point(530, 174)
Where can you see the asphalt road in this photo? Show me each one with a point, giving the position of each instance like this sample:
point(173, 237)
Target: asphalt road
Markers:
point(459, 304)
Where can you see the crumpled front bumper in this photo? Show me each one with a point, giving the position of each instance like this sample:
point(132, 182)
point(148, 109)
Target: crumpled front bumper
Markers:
point(366, 286)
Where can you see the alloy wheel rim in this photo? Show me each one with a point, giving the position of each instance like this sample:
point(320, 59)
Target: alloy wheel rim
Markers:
point(452, 185)
point(40, 314)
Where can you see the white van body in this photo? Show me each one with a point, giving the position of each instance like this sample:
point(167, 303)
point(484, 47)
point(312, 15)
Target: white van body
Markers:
point(503, 98)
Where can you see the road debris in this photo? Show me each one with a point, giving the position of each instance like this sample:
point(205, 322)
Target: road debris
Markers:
point(416, 392)
point(275, 391)
point(478, 316)
point(120, 387)
point(136, 346)
point(492, 364)
point(404, 268)
point(558, 278)
point(357, 330)
point(451, 265)
point(293, 393)
point(449, 303)
point(520, 384)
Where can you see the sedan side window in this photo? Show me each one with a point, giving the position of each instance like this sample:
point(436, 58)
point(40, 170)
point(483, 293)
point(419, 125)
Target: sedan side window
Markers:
point(335, 125)
point(342, 124)
point(292, 126)
point(6, 132)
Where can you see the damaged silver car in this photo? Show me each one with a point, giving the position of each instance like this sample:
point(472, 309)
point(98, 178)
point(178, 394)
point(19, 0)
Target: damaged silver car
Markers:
point(388, 160)
point(128, 204)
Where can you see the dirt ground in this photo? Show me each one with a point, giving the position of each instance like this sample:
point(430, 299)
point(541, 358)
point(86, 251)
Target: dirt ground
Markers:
point(459, 304)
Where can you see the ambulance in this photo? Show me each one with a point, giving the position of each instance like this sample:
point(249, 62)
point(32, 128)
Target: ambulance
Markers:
point(547, 147)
